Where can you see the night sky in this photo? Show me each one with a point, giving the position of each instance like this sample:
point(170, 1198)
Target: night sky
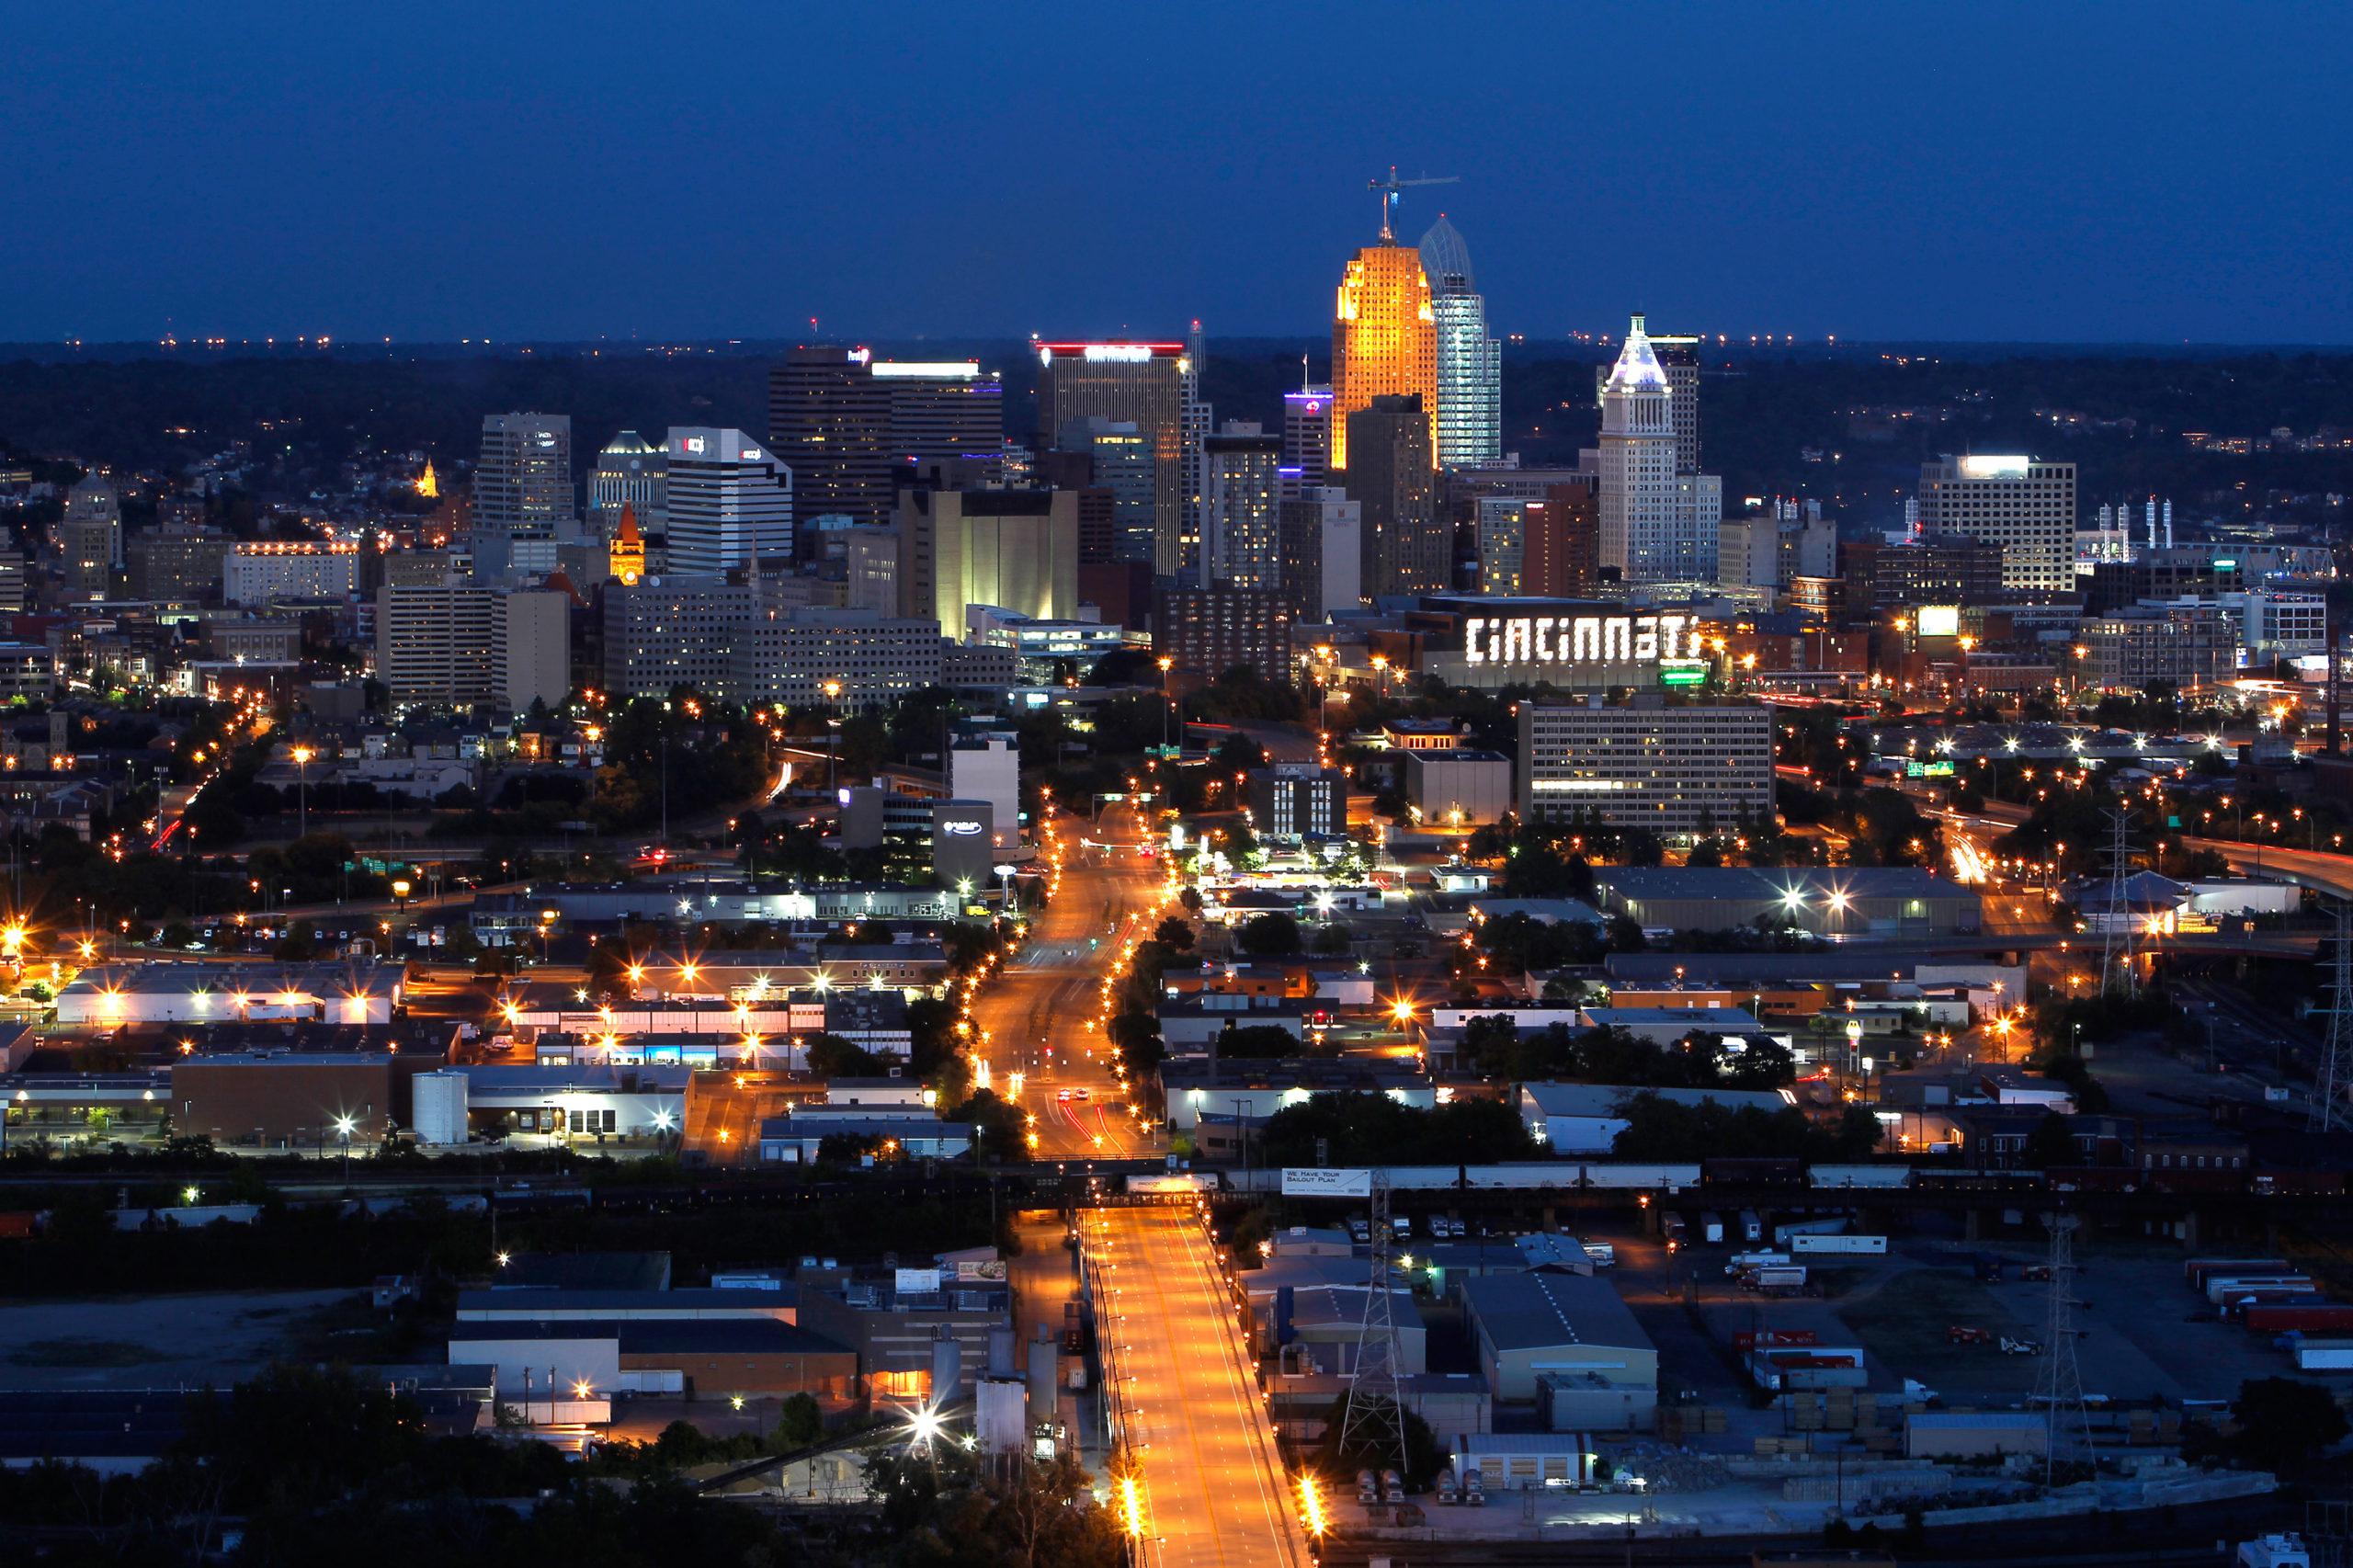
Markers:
point(2147, 172)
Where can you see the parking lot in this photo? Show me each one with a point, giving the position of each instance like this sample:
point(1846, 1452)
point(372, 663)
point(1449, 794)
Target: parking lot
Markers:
point(177, 1341)
point(2135, 1339)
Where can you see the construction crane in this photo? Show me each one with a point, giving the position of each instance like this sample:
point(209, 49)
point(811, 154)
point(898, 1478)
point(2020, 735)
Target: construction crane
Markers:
point(1390, 188)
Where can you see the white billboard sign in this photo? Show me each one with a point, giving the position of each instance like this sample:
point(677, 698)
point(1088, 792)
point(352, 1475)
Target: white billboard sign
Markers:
point(1315, 1181)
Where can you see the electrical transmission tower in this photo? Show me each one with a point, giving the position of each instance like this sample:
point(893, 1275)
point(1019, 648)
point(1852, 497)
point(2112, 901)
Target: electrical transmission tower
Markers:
point(1375, 1418)
point(2060, 1384)
point(2119, 975)
point(2336, 1078)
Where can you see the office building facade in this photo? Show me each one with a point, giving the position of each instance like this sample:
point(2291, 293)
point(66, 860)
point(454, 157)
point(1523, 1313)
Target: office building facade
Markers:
point(730, 503)
point(1469, 362)
point(842, 420)
point(1122, 464)
point(1930, 569)
point(677, 631)
point(1014, 549)
point(1209, 631)
point(1240, 538)
point(1307, 438)
point(1292, 801)
point(632, 474)
point(1143, 384)
point(1406, 547)
point(1561, 542)
point(523, 503)
point(789, 655)
point(458, 642)
point(1677, 772)
point(2022, 504)
point(89, 539)
point(260, 572)
point(1322, 552)
point(1657, 523)
point(1384, 341)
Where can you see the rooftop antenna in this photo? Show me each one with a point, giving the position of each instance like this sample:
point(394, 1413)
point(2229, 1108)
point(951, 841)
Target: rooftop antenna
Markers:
point(1390, 188)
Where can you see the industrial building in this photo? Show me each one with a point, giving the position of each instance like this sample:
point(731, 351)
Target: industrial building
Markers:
point(1566, 1343)
point(113, 995)
point(1458, 786)
point(583, 1358)
point(1584, 1119)
point(310, 1100)
point(1878, 904)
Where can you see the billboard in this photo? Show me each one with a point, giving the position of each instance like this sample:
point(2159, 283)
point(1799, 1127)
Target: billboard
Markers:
point(1938, 620)
point(1578, 639)
point(1315, 1181)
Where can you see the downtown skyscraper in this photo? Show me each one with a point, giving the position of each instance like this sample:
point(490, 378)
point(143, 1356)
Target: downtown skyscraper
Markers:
point(1384, 338)
point(1657, 523)
point(730, 503)
point(1469, 362)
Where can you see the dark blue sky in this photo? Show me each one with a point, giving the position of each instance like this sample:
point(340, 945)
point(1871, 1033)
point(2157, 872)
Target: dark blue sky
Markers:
point(2142, 172)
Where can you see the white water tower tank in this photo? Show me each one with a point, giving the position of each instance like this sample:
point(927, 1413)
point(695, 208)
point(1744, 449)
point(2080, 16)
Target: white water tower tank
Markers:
point(440, 1106)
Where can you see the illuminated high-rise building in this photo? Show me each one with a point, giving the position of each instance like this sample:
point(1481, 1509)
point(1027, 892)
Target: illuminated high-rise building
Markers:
point(1657, 524)
point(1469, 362)
point(1307, 439)
point(1144, 384)
point(841, 420)
point(2025, 504)
point(1239, 540)
point(523, 500)
point(730, 503)
point(1384, 338)
point(1407, 548)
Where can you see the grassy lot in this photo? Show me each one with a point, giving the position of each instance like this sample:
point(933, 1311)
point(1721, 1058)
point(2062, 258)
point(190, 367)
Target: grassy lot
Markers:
point(1903, 1323)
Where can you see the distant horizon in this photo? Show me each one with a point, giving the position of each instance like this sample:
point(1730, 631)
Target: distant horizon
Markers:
point(362, 346)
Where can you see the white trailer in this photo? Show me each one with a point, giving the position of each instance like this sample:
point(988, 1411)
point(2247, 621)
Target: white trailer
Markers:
point(1800, 1246)
point(1829, 1225)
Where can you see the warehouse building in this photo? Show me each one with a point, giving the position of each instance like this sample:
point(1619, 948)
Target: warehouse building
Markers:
point(586, 1359)
point(1567, 1343)
point(1585, 1118)
point(112, 996)
point(1843, 903)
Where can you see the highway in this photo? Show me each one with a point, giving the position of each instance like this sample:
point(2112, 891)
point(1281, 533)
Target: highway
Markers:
point(1212, 1493)
point(1040, 1016)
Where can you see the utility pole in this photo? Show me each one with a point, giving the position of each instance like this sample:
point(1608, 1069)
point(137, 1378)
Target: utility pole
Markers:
point(2118, 972)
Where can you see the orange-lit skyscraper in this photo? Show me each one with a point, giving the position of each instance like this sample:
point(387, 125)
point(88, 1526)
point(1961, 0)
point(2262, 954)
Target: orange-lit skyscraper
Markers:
point(1384, 338)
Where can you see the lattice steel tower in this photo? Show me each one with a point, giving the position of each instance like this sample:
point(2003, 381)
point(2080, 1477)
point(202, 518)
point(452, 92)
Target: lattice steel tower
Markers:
point(2118, 974)
point(1375, 1417)
point(2060, 1383)
point(2336, 1078)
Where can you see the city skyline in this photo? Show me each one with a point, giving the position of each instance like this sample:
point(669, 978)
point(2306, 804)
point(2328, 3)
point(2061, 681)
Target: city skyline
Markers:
point(1838, 170)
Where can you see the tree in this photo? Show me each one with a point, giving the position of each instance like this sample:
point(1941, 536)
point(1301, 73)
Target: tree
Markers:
point(1270, 935)
point(831, 1056)
point(1256, 1040)
point(2051, 1141)
point(800, 1423)
point(2282, 1420)
point(1174, 933)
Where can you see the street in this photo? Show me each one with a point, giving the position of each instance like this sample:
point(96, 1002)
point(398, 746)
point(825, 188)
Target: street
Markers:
point(1039, 1018)
point(1212, 1489)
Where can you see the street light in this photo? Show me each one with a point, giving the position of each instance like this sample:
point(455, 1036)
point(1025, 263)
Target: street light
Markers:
point(302, 790)
point(343, 1127)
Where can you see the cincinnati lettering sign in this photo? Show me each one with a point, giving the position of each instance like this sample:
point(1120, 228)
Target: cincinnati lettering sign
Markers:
point(1578, 639)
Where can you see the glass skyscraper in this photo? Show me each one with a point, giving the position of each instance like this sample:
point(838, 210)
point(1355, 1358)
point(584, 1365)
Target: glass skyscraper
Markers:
point(1469, 362)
